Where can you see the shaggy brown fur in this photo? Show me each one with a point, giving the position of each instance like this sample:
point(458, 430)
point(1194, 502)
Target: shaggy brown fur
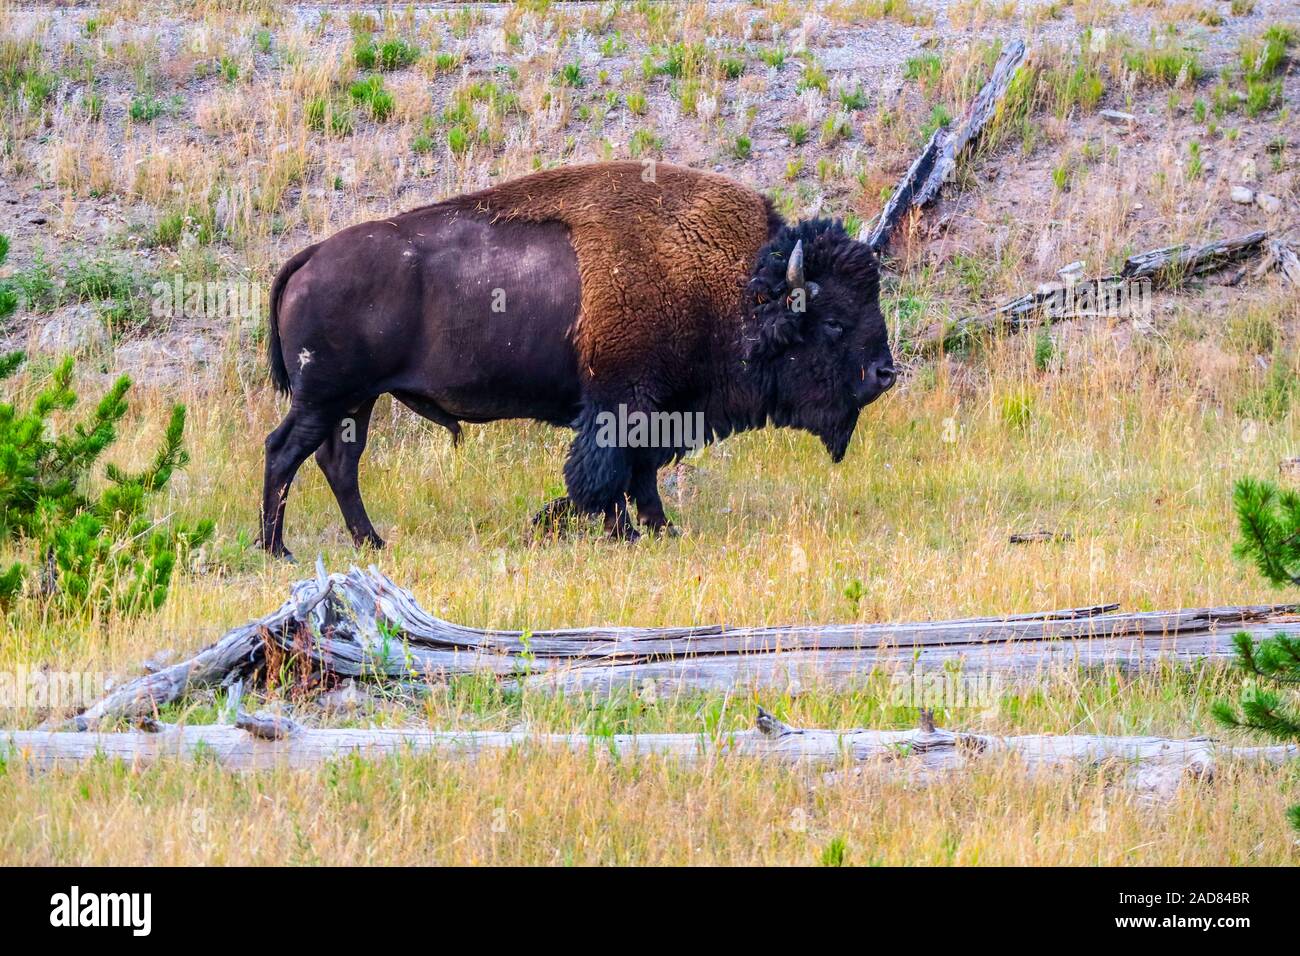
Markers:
point(663, 251)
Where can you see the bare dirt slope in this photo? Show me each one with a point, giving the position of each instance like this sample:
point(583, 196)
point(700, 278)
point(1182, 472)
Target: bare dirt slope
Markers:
point(183, 142)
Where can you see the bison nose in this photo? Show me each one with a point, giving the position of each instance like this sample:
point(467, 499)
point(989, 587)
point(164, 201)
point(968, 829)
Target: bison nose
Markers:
point(885, 374)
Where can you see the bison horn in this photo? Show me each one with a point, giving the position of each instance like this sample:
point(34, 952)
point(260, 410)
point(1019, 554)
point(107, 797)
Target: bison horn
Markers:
point(794, 272)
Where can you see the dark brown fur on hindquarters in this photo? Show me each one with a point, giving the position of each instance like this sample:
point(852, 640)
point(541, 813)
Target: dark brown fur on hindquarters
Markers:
point(565, 296)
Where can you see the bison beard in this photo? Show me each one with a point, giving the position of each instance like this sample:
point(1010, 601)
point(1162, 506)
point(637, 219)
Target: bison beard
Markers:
point(647, 287)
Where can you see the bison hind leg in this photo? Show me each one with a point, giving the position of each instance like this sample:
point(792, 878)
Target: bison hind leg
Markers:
point(339, 457)
point(300, 434)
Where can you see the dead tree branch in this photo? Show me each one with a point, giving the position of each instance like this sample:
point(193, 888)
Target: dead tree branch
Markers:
point(935, 166)
point(1162, 268)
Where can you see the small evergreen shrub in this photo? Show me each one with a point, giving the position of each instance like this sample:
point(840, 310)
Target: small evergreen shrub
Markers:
point(89, 550)
point(1269, 522)
point(8, 292)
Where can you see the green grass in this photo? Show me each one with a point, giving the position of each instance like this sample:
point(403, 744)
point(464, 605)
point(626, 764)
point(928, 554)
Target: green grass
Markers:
point(1274, 395)
point(24, 81)
point(146, 108)
point(813, 78)
point(1163, 66)
point(98, 279)
point(396, 54)
point(570, 75)
point(939, 116)
point(1262, 57)
point(927, 68)
point(325, 113)
point(644, 141)
point(459, 140)
point(370, 94)
point(392, 53)
point(37, 287)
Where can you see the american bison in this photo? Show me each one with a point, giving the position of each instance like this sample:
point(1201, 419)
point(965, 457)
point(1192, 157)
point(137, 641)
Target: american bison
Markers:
point(566, 296)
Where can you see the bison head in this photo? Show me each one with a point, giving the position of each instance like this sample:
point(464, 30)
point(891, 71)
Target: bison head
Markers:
point(815, 332)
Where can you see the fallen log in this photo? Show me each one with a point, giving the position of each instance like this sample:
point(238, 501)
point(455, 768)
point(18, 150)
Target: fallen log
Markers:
point(921, 183)
point(1281, 255)
point(363, 625)
point(1041, 535)
point(1148, 763)
point(1174, 263)
point(1117, 295)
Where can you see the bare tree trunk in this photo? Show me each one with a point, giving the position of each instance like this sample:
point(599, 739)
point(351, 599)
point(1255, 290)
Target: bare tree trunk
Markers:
point(935, 166)
point(1149, 763)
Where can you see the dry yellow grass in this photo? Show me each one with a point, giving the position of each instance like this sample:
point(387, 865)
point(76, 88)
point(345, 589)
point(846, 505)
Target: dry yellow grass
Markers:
point(1113, 449)
point(552, 809)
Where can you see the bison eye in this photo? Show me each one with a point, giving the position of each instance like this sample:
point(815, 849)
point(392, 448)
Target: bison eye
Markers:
point(834, 329)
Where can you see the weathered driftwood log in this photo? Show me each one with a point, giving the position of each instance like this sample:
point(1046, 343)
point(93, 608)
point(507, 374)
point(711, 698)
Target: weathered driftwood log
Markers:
point(1174, 263)
point(236, 654)
point(1281, 255)
point(934, 167)
point(362, 625)
point(1103, 296)
point(1147, 763)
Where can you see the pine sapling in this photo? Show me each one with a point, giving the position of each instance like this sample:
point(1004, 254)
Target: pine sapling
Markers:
point(1269, 522)
point(91, 550)
point(8, 294)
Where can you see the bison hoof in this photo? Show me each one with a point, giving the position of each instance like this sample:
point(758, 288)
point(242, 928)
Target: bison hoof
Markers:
point(371, 540)
point(665, 528)
point(555, 516)
point(619, 528)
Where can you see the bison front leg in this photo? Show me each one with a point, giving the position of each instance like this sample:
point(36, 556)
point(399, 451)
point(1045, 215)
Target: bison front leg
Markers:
point(555, 516)
point(644, 490)
point(597, 473)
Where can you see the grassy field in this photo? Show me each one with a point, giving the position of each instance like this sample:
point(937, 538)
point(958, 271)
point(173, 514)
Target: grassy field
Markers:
point(1122, 437)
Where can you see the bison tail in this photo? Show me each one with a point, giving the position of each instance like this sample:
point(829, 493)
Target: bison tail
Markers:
point(274, 357)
